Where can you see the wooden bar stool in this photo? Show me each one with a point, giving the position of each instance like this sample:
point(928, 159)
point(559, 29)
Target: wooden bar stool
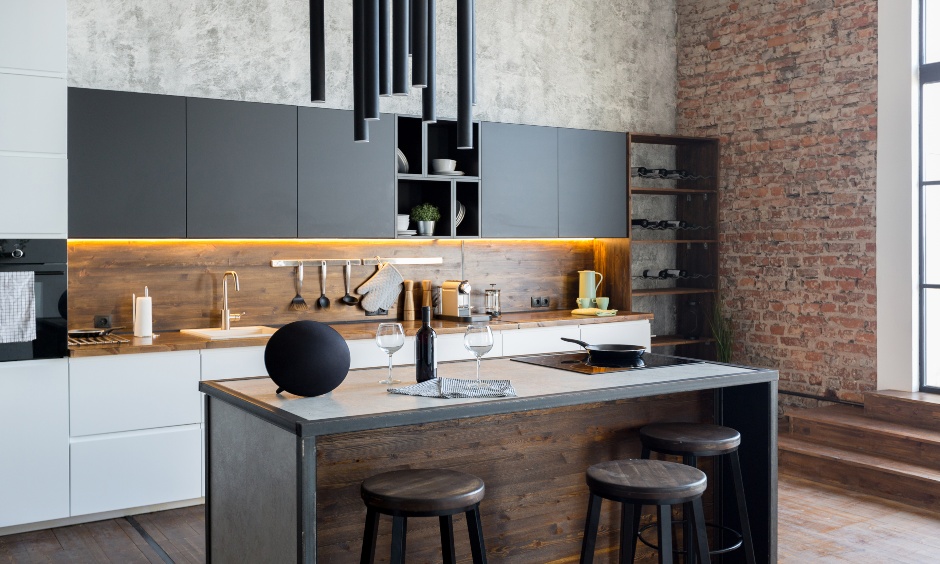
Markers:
point(635, 483)
point(690, 441)
point(422, 493)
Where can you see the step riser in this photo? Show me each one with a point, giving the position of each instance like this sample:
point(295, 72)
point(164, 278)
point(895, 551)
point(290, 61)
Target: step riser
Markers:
point(867, 441)
point(873, 481)
point(887, 408)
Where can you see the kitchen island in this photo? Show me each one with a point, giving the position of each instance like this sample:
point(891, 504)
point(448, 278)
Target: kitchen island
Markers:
point(283, 472)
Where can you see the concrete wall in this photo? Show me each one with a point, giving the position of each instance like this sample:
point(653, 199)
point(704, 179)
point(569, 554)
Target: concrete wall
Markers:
point(598, 64)
point(791, 87)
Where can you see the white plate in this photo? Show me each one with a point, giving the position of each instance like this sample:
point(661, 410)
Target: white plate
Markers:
point(461, 212)
point(402, 162)
point(449, 173)
point(408, 232)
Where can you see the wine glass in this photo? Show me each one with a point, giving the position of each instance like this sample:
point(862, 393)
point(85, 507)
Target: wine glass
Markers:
point(479, 340)
point(390, 337)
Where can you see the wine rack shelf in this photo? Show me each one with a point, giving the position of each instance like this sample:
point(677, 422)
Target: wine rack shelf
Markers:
point(675, 340)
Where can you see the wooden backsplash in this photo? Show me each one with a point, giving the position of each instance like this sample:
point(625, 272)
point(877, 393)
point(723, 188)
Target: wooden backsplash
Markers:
point(185, 277)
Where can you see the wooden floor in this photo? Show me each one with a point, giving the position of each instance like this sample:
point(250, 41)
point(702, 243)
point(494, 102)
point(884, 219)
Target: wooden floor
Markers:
point(818, 524)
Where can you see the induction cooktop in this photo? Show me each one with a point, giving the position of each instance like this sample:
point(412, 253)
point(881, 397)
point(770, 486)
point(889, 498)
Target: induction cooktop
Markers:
point(580, 362)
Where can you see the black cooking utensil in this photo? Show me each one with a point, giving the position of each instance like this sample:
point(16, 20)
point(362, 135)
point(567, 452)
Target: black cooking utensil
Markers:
point(610, 352)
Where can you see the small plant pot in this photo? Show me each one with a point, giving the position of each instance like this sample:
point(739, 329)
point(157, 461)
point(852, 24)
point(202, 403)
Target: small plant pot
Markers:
point(426, 228)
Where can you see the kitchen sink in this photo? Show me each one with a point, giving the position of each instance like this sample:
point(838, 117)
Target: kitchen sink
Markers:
point(216, 334)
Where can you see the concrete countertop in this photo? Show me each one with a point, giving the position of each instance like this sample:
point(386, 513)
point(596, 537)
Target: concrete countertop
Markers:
point(176, 341)
point(360, 402)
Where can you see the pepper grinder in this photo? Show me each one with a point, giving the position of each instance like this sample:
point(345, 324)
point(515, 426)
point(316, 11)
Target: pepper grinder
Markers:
point(408, 311)
point(427, 298)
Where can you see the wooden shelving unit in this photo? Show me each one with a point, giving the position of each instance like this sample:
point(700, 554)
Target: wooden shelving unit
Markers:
point(421, 143)
point(681, 306)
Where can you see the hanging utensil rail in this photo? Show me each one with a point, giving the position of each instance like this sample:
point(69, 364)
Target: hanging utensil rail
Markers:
point(356, 262)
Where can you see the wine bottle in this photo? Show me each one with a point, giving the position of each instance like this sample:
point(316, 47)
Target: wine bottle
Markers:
point(653, 273)
point(640, 222)
point(672, 273)
point(425, 345)
point(673, 224)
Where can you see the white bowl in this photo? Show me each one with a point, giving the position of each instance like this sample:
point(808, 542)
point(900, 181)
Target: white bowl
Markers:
point(403, 222)
point(443, 165)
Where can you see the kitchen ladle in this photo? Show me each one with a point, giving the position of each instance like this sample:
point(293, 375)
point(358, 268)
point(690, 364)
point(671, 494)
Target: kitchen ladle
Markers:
point(323, 301)
point(348, 299)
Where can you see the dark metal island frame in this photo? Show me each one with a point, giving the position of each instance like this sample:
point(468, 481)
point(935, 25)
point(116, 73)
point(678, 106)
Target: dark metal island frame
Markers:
point(283, 472)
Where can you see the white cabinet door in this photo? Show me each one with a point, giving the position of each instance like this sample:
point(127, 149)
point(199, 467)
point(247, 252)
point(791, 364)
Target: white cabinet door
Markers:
point(33, 35)
point(109, 394)
point(540, 340)
point(363, 353)
point(236, 362)
point(35, 192)
point(33, 113)
point(623, 333)
point(450, 347)
point(124, 470)
point(34, 443)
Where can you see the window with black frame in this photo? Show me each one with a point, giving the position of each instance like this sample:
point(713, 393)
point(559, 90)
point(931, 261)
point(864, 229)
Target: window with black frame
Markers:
point(930, 195)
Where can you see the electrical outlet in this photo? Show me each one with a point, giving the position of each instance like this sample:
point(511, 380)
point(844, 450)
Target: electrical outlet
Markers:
point(535, 301)
point(102, 322)
point(543, 301)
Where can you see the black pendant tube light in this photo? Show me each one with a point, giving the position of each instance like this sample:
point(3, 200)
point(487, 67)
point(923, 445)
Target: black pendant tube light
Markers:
point(473, 51)
point(371, 61)
point(464, 74)
point(419, 46)
point(401, 37)
point(360, 125)
point(385, 79)
point(317, 53)
point(428, 105)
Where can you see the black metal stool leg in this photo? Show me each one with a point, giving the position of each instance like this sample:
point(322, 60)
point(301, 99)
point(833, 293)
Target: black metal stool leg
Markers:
point(590, 529)
point(475, 525)
point(664, 534)
point(399, 530)
point(447, 539)
point(701, 536)
point(628, 528)
point(368, 537)
point(742, 508)
point(688, 460)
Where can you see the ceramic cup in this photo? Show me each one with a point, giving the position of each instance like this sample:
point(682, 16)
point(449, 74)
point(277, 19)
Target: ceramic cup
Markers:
point(585, 303)
point(602, 303)
point(403, 222)
point(443, 165)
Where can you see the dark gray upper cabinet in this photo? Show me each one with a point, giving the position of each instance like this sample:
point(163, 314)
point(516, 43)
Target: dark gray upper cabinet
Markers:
point(520, 180)
point(345, 189)
point(592, 183)
point(241, 169)
point(127, 164)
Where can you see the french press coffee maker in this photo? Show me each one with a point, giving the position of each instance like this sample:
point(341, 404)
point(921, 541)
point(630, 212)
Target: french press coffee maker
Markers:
point(491, 300)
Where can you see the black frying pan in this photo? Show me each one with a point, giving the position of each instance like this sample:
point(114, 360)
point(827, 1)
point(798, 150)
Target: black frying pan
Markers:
point(610, 353)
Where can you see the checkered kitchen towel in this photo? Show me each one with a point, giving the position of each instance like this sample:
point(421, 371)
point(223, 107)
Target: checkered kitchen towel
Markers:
point(17, 307)
point(455, 388)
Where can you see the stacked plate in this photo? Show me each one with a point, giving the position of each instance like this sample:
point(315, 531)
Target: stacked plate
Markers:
point(407, 233)
point(449, 173)
point(461, 212)
point(402, 161)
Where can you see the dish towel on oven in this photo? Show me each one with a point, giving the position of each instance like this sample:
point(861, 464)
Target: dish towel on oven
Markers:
point(17, 307)
point(456, 388)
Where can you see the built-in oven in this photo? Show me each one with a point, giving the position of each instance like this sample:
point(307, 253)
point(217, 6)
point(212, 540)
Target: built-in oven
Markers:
point(46, 260)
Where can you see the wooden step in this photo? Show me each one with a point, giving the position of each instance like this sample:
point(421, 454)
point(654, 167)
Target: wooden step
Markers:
point(909, 408)
point(847, 427)
point(873, 475)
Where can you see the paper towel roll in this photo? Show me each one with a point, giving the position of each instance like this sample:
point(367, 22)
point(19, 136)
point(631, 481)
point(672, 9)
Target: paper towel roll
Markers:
point(143, 320)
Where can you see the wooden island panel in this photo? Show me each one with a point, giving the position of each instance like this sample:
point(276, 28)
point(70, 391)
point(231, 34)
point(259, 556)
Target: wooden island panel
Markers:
point(532, 462)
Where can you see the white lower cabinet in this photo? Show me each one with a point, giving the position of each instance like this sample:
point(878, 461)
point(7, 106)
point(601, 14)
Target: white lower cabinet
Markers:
point(364, 353)
point(34, 449)
point(237, 362)
point(540, 340)
point(450, 347)
point(134, 469)
point(622, 333)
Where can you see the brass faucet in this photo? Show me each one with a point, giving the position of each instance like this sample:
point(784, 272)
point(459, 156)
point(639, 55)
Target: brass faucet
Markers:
point(228, 318)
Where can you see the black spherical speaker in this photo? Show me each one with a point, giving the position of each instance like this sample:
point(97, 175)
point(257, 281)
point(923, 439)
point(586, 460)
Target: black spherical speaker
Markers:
point(307, 358)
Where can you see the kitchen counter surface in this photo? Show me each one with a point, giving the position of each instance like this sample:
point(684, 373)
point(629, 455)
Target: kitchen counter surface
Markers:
point(361, 403)
point(176, 341)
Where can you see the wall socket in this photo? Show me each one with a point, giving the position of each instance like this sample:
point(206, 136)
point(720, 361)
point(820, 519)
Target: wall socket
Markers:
point(102, 322)
point(539, 301)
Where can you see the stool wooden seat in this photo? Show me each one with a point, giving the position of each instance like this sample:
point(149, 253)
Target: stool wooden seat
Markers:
point(634, 483)
point(690, 441)
point(423, 493)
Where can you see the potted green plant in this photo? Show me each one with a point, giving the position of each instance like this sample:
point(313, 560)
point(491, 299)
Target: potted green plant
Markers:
point(425, 215)
point(722, 331)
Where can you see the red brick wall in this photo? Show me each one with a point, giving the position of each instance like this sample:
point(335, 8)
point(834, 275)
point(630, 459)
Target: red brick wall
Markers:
point(790, 87)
